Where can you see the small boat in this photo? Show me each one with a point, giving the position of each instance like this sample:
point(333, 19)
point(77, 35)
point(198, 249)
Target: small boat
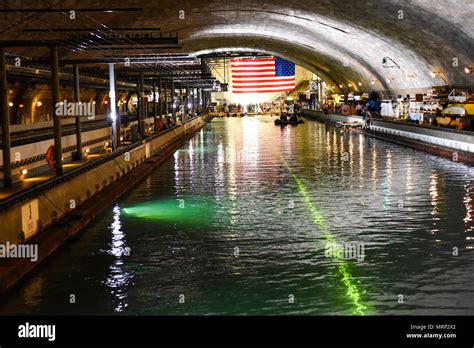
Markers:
point(355, 124)
point(295, 122)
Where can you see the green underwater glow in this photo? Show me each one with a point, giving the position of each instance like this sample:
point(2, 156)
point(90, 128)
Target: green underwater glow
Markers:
point(185, 210)
point(352, 291)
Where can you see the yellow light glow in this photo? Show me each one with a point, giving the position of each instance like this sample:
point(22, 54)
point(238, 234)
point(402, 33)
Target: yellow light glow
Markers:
point(72, 165)
point(36, 179)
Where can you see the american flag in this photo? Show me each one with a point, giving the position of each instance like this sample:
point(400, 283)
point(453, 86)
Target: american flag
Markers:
point(262, 75)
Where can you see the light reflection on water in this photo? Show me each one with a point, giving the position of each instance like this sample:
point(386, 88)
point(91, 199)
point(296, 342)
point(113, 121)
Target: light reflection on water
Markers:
point(409, 209)
point(118, 278)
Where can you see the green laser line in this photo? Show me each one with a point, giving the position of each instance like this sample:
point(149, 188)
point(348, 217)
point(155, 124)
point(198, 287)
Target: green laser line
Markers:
point(352, 292)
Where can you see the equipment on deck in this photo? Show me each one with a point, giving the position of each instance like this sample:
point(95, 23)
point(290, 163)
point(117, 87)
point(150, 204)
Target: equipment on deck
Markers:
point(346, 125)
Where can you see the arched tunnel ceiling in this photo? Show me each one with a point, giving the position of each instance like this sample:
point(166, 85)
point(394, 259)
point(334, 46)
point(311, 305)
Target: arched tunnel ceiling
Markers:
point(342, 41)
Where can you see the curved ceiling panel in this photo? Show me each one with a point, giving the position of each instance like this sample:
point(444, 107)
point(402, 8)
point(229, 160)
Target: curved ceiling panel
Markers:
point(342, 41)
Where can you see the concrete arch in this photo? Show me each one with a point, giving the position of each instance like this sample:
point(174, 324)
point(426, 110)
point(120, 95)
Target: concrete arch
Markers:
point(345, 39)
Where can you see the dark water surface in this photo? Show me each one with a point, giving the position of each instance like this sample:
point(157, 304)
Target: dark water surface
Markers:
point(243, 219)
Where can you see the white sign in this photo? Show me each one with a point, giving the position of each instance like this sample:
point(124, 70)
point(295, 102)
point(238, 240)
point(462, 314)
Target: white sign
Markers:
point(29, 218)
point(147, 150)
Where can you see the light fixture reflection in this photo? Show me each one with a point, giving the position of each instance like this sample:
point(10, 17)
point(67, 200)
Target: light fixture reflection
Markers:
point(118, 278)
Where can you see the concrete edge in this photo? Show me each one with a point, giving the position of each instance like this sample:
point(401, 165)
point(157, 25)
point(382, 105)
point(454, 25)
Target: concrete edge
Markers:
point(448, 153)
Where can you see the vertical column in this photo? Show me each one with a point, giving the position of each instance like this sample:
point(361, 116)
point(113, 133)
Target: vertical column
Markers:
point(154, 101)
point(186, 105)
point(160, 96)
point(198, 106)
point(320, 92)
point(189, 99)
point(198, 100)
point(173, 105)
point(113, 108)
point(6, 145)
point(138, 101)
point(58, 148)
point(181, 101)
point(166, 99)
point(77, 100)
point(141, 116)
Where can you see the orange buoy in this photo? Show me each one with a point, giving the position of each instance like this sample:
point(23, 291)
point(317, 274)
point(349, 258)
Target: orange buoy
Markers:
point(50, 156)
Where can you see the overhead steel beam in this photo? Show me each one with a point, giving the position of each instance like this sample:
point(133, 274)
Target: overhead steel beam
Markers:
point(55, 10)
point(88, 43)
point(41, 74)
point(42, 30)
point(133, 48)
point(133, 63)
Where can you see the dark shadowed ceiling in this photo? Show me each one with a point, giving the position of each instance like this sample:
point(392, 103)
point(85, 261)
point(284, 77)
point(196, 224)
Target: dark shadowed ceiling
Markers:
point(342, 41)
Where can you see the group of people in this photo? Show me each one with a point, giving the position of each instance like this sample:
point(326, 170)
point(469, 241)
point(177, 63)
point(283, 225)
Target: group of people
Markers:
point(163, 123)
point(368, 109)
point(292, 119)
point(276, 107)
